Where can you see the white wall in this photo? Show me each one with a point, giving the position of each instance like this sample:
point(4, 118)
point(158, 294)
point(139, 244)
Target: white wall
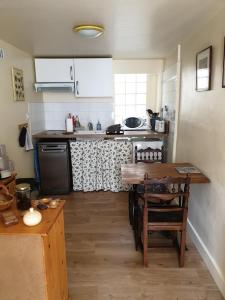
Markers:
point(201, 141)
point(14, 113)
point(169, 100)
point(129, 66)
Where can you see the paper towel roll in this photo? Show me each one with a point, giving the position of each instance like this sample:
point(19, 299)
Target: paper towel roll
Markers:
point(69, 125)
point(2, 163)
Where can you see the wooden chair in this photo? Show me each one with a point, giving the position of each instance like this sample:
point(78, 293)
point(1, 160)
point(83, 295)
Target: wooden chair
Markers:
point(148, 155)
point(168, 216)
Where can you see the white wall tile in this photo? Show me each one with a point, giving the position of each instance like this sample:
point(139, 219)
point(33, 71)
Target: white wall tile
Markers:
point(51, 116)
point(36, 115)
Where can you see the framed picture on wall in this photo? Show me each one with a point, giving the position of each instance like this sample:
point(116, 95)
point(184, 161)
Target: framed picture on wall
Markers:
point(18, 85)
point(203, 69)
point(223, 82)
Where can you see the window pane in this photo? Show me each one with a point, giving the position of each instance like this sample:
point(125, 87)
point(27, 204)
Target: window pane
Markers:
point(130, 99)
point(120, 113)
point(141, 87)
point(120, 87)
point(141, 111)
point(130, 77)
point(130, 111)
point(130, 96)
point(141, 77)
point(120, 99)
point(141, 99)
point(119, 119)
point(130, 88)
point(120, 77)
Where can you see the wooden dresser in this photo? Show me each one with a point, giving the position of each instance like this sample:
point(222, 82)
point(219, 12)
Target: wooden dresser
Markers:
point(33, 260)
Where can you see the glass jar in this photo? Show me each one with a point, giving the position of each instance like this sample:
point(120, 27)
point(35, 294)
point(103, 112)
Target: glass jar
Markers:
point(23, 196)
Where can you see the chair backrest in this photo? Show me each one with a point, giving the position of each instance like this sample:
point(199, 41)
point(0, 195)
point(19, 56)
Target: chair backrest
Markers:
point(167, 188)
point(148, 155)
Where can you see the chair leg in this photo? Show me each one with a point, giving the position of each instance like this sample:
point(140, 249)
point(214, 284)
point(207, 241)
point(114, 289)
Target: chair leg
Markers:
point(135, 223)
point(145, 236)
point(131, 207)
point(182, 247)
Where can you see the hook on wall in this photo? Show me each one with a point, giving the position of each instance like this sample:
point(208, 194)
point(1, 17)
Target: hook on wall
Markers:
point(20, 126)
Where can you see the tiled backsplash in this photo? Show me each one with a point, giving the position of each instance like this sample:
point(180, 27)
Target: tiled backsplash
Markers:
point(51, 115)
point(37, 116)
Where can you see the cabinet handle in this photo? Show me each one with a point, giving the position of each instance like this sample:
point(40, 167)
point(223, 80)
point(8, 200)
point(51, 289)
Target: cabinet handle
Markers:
point(71, 72)
point(77, 87)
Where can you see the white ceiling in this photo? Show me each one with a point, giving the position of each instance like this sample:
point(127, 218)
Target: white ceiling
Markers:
point(133, 28)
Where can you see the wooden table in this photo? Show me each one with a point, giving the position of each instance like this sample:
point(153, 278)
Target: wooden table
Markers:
point(134, 173)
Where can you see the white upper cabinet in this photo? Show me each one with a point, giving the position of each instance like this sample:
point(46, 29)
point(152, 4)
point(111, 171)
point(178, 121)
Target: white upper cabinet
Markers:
point(54, 70)
point(93, 77)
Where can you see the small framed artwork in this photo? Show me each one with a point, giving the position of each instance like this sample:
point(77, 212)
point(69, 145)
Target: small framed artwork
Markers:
point(223, 83)
point(18, 85)
point(203, 70)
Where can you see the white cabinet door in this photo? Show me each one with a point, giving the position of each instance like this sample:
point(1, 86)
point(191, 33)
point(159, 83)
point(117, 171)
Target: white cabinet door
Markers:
point(93, 77)
point(54, 70)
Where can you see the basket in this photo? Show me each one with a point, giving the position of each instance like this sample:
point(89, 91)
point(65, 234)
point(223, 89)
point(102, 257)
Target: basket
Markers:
point(6, 199)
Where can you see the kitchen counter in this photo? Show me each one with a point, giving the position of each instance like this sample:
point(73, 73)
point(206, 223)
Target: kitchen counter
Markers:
point(60, 134)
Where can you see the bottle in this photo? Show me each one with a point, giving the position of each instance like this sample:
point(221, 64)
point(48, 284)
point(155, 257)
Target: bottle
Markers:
point(77, 122)
point(99, 126)
point(90, 126)
point(23, 196)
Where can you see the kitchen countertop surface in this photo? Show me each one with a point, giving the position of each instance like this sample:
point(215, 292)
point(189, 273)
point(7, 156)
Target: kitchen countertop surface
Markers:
point(61, 134)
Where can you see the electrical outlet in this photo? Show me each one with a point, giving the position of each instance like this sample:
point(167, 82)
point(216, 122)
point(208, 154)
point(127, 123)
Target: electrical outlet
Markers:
point(1, 53)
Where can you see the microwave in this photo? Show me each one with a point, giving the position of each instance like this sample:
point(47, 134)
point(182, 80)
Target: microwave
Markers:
point(134, 123)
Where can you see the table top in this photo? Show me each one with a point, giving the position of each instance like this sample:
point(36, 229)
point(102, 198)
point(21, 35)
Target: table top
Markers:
point(49, 217)
point(134, 173)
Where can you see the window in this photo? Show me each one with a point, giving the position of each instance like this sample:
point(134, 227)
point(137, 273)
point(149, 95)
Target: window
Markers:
point(130, 96)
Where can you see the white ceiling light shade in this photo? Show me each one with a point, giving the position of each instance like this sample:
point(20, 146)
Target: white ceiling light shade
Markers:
point(89, 31)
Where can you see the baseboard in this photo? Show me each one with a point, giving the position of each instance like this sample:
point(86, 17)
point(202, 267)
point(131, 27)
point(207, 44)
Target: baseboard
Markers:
point(208, 259)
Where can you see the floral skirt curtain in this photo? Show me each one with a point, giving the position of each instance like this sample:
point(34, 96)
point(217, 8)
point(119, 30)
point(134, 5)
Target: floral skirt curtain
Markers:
point(96, 165)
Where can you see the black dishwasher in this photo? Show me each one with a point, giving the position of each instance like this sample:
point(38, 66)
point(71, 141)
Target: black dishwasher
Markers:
point(54, 167)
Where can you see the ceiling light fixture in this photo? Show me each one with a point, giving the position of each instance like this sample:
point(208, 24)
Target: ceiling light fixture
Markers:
point(89, 31)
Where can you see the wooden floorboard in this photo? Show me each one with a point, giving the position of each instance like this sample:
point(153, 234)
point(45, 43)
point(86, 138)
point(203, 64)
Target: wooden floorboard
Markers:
point(103, 264)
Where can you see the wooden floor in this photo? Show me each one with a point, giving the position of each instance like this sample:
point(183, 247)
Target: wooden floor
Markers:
point(103, 264)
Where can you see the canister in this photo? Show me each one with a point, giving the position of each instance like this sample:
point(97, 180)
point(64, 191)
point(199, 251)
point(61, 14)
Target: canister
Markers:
point(161, 126)
point(23, 196)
